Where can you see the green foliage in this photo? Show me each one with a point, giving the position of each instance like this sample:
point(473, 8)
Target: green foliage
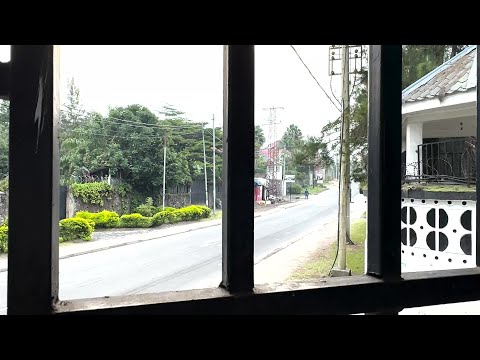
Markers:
point(363, 185)
point(92, 193)
point(206, 211)
point(4, 185)
point(135, 221)
point(173, 217)
point(190, 213)
point(419, 60)
point(129, 142)
point(4, 131)
point(260, 166)
point(76, 229)
point(102, 219)
point(147, 208)
point(259, 137)
point(3, 239)
point(123, 189)
point(160, 218)
point(292, 138)
point(296, 189)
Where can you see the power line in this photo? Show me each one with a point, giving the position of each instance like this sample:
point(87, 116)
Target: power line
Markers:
point(314, 78)
point(159, 125)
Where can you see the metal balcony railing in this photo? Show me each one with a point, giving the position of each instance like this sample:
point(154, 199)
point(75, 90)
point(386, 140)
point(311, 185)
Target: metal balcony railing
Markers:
point(450, 161)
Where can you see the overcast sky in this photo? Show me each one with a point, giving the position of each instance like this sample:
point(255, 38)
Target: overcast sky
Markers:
point(190, 79)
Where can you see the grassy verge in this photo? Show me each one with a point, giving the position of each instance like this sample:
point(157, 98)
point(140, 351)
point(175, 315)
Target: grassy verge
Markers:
point(316, 190)
point(440, 188)
point(355, 256)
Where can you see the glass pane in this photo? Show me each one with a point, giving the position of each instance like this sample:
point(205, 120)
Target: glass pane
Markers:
point(439, 128)
point(4, 130)
point(127, 111)
point(298, 112)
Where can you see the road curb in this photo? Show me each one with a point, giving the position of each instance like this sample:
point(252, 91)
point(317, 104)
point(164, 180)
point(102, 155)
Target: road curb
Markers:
point(126, 243)
point(280, 208)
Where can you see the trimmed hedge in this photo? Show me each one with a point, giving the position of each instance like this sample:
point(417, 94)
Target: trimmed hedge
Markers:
point(3, 239)
point(76, 228)
point(189, 213)
point(135, 221)
point(102, 219)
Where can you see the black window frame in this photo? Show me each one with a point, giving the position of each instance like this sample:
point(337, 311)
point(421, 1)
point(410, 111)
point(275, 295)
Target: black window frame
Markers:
point(30, 81)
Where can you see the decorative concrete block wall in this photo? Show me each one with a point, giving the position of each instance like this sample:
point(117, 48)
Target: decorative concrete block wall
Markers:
point(437, 234)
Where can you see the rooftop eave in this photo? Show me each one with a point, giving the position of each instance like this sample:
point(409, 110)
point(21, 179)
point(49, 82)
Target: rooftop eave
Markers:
point(454, 105)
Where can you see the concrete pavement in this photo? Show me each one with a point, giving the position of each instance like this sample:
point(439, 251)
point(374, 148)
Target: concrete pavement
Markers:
point(105, 239)
point(187, 256)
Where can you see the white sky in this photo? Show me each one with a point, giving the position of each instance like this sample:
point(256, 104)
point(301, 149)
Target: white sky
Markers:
point(191, 79)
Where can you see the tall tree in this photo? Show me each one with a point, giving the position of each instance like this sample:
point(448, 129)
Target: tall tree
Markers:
point(419, 60)
point(259, 137)
point(73, 112)
point(313, 152)
point(292, 137)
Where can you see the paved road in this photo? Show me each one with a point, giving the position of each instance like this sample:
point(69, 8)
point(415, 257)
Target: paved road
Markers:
point(184, 261)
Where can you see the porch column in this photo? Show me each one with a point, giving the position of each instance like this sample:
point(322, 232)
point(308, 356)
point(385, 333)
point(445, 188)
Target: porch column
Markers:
point(414, 135)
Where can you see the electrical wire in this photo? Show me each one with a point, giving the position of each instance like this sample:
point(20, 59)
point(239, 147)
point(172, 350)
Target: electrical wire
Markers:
point(314, 78)
point(331, 90)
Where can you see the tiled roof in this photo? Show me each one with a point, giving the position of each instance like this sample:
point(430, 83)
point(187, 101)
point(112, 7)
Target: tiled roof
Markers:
point(455, 75)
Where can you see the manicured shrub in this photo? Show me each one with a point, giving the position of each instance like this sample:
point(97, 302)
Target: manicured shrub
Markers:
point(190, 213)
point(3, 239)
point(160, 218)
point(135, 221)
point(76, 228)
point(174, 216)
point(206, 211)
point(102, 219)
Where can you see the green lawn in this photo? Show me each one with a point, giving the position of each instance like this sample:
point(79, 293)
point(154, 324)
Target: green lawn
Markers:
point(440, 188)
point(355, 256)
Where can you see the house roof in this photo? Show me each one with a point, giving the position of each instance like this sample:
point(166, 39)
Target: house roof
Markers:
point(455, 75)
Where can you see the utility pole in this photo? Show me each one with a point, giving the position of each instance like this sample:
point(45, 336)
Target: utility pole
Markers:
point(345, 164)
point(272, 157)
point(214, 149)
point(164, 167)
point(284, 184)
point(205, 165)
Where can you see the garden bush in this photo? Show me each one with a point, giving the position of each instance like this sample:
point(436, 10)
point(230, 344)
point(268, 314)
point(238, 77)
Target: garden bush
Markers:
point(206, 211)
point(147, 208)
point(295, 189)
point(102, 219)
point(135, 220)
point(189, 213)
point(3, 239)
point(160, 218)
point(76, 228)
